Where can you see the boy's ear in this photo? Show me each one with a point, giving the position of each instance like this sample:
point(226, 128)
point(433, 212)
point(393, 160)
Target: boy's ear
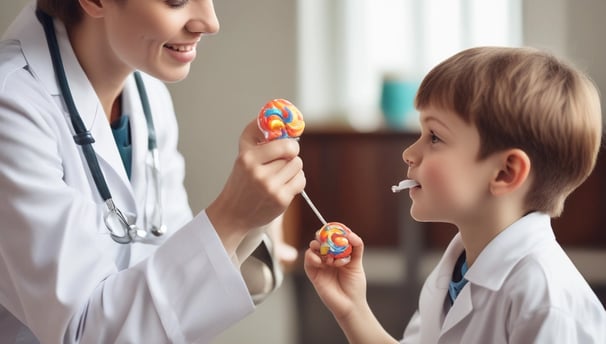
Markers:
point(94, 8)
point(514, 171)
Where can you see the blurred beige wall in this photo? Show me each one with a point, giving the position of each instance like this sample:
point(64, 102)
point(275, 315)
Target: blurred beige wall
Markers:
point(8, 10)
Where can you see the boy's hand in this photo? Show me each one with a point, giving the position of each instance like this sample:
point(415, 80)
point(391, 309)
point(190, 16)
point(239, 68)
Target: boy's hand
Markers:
point(340, 283)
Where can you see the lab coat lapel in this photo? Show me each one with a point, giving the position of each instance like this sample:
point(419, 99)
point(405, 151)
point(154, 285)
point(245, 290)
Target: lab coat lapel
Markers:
point(434, 293)
point(34, 46)
point(131, 103)
point(459, 310)
point(36, 52)
point(96, 121)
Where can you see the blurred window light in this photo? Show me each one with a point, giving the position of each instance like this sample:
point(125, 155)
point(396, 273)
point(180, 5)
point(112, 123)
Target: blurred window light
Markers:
point(348, 46)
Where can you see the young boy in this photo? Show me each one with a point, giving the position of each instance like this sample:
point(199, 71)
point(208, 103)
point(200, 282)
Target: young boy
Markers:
point(506, 135)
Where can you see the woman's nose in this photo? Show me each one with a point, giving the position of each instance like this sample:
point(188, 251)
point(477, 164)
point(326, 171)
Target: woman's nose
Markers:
point(204, 19)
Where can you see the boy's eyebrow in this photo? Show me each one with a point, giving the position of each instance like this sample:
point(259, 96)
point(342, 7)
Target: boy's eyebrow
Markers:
point(430, 118)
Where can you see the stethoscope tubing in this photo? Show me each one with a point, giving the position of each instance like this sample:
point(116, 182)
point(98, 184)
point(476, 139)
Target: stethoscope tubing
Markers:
point(84, 138)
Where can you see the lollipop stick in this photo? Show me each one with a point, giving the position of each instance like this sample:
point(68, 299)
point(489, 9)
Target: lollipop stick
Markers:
point(313, 207)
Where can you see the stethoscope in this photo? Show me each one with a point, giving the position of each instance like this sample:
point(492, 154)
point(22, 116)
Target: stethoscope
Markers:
point(121, 229)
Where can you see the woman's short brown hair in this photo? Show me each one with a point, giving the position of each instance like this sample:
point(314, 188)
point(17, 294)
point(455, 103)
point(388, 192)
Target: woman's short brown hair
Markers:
point(68, 11)
point(528, 99)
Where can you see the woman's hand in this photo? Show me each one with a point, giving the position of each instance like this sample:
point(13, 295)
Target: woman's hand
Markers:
point(266, 176)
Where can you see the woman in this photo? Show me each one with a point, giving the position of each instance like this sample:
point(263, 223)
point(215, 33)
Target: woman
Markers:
point(98, 243)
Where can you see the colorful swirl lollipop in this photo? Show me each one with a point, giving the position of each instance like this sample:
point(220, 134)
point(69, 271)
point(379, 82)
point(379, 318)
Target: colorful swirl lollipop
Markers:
point(279, 119)
point(332, 239)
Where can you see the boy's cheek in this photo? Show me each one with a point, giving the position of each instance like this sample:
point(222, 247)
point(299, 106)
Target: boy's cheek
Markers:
point(437, 178)
point(442, 185)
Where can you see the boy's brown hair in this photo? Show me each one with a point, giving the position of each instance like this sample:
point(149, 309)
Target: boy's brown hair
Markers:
point(528, 99)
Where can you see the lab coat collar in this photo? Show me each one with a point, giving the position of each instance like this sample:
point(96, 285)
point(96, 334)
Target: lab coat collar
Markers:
point(432, 301)
point(460, 309)
point(489, 271)
point(131, 106)
point(437, 301)
point(27, 29)
point(32, 41)
point(502, 253)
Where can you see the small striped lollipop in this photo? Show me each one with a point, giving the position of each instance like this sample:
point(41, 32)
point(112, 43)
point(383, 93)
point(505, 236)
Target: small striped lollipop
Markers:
point(280, 119)
point(332, 240)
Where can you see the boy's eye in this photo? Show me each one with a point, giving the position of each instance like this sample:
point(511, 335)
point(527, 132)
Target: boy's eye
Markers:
point(433, 137)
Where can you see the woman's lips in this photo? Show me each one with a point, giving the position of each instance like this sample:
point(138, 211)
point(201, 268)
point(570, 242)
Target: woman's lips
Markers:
point(183, 53)
point(181, 47)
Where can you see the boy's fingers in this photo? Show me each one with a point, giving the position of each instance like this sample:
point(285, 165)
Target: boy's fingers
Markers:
point(314, 245)
point(312, 258)
point(343, 261)
point(357, 245)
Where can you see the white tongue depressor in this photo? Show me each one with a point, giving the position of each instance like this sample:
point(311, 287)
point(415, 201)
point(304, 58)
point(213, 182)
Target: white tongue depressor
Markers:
point(403, 185)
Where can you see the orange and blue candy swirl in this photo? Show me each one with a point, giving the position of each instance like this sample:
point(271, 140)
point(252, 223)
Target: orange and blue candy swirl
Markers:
point(279, 119)
point(333, 241)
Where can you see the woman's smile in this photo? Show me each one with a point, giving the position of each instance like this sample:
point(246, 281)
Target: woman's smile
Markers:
point(180, 48)
point(183, 53)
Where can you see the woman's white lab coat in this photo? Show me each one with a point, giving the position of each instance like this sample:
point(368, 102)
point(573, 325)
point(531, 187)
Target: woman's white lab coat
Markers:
point(521, 289)
point(61, 275)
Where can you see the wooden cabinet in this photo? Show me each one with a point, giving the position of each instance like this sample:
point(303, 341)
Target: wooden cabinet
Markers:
point(349, 179)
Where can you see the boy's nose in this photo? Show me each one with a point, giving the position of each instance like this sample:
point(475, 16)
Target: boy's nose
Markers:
point(407, 156)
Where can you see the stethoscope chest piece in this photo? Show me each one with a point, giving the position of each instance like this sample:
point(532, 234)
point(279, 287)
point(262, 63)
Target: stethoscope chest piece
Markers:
point(123, 231)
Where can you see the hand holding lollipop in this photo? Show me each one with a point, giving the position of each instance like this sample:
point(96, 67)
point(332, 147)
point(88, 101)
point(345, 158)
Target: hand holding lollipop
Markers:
point(279, 119)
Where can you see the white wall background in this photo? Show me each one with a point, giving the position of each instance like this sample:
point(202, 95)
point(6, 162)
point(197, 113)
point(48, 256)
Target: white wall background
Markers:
point(254, 59)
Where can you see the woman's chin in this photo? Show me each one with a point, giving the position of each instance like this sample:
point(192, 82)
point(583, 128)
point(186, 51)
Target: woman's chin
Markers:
point(171, 74)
